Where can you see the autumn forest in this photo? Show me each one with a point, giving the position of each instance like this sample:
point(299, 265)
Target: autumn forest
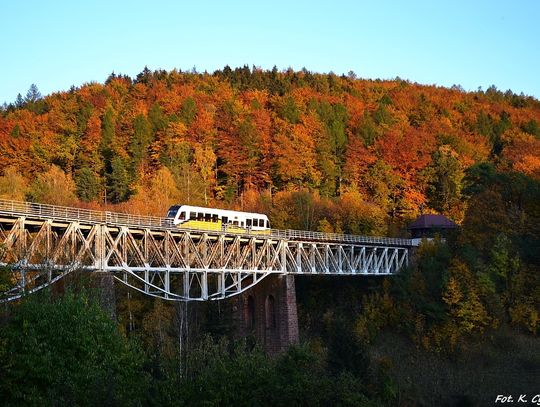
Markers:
point(315, 152)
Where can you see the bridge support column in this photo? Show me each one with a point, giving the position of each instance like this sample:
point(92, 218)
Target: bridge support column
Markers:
point(268, 313)
point(104, 282)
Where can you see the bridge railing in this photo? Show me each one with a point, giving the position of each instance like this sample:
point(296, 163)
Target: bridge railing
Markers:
point(46, 211)
point(310, 235)
point(79, 214)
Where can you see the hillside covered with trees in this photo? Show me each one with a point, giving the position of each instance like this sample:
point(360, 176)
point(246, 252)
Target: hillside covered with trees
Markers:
point(384, 150)
point(316, 152)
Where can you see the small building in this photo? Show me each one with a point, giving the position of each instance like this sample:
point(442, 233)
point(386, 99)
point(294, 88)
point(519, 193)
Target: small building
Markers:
point(431, 225)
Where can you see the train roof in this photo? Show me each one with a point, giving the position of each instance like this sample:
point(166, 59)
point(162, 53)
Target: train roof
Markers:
point(216, 211)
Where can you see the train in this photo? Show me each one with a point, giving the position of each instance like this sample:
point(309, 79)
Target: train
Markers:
point(198, 217)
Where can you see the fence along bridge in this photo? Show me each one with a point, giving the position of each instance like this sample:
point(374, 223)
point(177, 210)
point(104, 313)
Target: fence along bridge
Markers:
point(40, 244)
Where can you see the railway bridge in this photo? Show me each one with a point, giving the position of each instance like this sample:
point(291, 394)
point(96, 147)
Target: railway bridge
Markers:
point(40, 244)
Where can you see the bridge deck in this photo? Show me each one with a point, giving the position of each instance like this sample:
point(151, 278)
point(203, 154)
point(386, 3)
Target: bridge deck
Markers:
point(90, 217)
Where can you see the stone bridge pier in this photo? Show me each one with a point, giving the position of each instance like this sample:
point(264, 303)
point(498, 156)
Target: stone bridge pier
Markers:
point(268, 313)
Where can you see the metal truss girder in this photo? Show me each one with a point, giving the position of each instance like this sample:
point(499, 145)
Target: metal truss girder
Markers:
point(176, 264)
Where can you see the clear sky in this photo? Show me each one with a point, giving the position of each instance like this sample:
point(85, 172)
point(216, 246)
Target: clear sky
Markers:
point(56, 44)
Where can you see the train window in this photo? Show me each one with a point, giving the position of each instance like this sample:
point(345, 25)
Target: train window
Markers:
point(200, 216)
point(261, 223)
point(172, 211)
point(192, 215)
point(267, 224)
point(215, 218)
point(242, 224)
point(235, 223)
point(225, 219)
point(182, 216)
point(207, 217)
point(248, 223)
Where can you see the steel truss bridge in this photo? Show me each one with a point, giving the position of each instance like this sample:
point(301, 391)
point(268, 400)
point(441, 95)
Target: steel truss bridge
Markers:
point(40, 244)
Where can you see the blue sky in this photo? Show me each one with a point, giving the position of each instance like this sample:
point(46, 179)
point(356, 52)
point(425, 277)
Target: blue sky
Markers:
point(56, 44)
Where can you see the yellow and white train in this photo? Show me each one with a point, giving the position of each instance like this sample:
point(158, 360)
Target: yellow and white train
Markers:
point(197, 217)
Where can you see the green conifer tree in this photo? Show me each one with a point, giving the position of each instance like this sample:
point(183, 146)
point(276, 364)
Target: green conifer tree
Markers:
point(142, 137)
point(118, 181)
point(88, 185)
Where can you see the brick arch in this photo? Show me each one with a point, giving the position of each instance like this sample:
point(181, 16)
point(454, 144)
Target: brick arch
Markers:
point(250, 313)
point(270, 312)
point(274, 319)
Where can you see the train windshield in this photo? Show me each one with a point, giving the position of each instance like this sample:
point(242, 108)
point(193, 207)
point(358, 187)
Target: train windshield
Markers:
point(172, 211)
